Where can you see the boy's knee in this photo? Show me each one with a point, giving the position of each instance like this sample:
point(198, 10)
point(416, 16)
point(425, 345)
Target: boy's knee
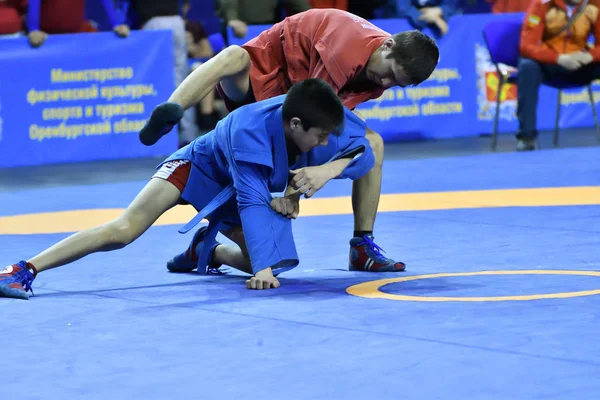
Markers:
point(377, 145)
point(120, 232)
point(236, 57)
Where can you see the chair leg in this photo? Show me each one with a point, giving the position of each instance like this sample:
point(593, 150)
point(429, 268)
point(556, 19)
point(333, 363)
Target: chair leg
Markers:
point(555, 141)
point(594, 112)
point(497, 116)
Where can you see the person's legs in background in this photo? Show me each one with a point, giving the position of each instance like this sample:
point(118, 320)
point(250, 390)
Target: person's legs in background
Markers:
point(207, 111)
point(531, 75)
point(528, 86)
point(188, 128)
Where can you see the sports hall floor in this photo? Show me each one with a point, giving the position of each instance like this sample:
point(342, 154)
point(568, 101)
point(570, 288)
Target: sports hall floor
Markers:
point(500, 300)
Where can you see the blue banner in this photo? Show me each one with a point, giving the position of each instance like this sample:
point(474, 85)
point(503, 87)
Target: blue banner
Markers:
point(459, 99)
point(82, 97)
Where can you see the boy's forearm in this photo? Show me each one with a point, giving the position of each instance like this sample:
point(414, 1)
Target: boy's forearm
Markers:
point(289, 191)
point(338, 166)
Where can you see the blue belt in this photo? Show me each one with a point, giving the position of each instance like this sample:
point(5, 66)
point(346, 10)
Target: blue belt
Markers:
point(211, 209)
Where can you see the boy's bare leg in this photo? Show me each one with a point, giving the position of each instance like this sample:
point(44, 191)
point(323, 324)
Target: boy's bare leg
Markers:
point(365, 255)
point(155, 198)
point(231, 68)
point(366, 191)
point(235, 256)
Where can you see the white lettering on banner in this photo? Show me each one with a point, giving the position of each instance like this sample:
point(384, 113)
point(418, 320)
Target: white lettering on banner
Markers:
point(62, 113)
point(45, 96)
point(58, 75)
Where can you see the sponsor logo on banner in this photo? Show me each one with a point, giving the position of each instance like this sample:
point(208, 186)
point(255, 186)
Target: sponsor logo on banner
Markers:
point(487, 89)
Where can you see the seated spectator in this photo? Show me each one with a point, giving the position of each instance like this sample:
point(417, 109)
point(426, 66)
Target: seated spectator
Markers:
point(11, 16)
point(554, 48)
point(427, 13)
point(63, 16)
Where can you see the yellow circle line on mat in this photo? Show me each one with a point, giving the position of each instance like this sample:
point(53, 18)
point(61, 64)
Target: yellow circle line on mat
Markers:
point(372, 289)
point(76, 220)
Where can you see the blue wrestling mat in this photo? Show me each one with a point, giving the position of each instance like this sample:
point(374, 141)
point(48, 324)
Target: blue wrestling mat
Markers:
point(499, 300)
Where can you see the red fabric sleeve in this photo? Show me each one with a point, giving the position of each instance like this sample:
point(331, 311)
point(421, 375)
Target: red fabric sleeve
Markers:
point(595, 52)
point(531, 35)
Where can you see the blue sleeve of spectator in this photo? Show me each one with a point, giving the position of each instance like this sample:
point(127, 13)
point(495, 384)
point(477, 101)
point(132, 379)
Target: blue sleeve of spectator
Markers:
point(448, 8)
point(116, 11)
point(33, 15)
point(405, 8)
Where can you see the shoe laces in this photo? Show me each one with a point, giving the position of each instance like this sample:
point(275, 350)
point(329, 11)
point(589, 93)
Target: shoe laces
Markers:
point(25, 278)
point(373, 248)
point(214, 271)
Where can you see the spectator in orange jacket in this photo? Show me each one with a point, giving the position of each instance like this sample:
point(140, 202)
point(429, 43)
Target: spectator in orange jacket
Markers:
point(552, 51)
point(509, 6)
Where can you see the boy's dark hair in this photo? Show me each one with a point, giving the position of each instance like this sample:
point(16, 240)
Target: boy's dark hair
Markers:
point(316, 104)
point(416, 53)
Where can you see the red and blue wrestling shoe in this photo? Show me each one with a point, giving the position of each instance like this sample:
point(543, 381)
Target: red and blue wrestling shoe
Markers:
point(365, 255)
point(188, 260)
point(16, 280)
